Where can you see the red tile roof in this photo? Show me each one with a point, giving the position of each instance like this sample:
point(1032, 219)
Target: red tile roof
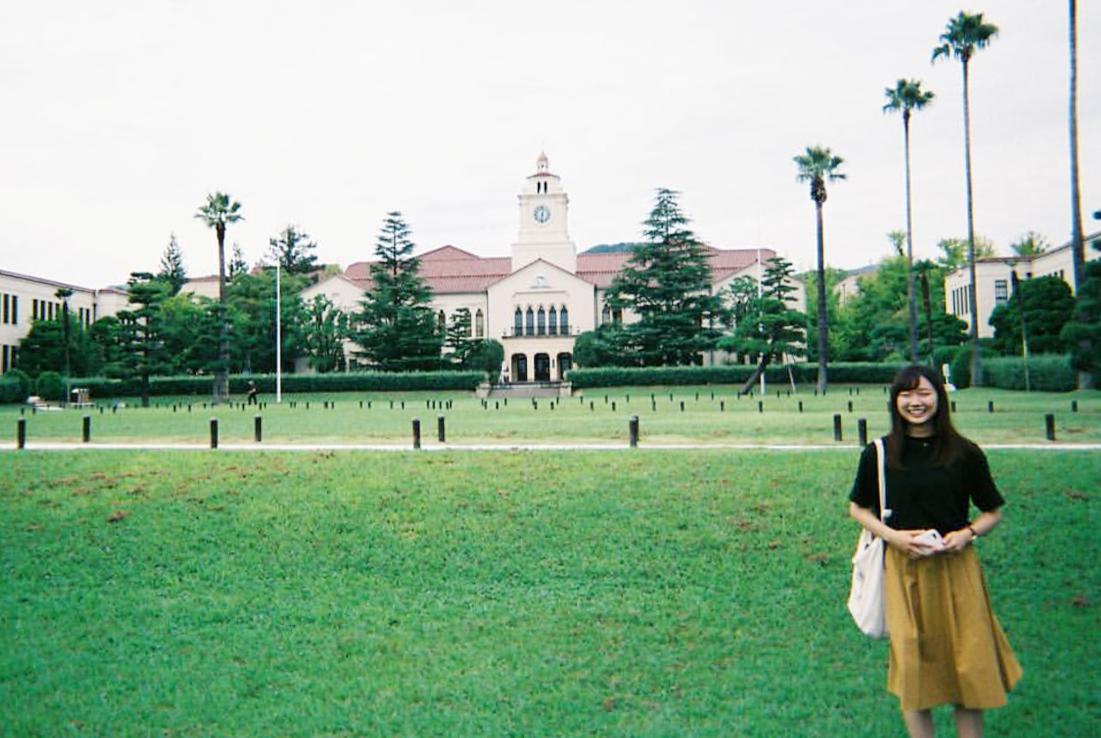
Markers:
point(450, 270)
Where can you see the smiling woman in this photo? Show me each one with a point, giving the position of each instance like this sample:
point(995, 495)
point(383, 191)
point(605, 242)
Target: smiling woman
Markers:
point(947, 646)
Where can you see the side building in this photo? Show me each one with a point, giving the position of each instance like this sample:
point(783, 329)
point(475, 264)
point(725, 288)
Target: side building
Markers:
point(25, 299)
point(540, 298)
point(994, 280)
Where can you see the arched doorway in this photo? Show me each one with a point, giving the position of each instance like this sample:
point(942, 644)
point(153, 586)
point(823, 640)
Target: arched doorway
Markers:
point(542, 368)
point(519, 368)
point(565, 363)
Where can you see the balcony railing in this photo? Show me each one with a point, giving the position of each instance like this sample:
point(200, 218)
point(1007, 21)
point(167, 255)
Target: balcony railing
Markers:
point(569, 331)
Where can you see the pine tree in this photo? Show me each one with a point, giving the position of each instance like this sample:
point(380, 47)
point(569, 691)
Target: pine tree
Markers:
point(768, 327)
point(292, 249)
point(172, 267)
point(144, 354)
point(667, 283)
point(396, 329)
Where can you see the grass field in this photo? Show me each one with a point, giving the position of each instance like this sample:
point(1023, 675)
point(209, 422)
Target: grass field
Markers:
point(710, 415)
point(644, 593)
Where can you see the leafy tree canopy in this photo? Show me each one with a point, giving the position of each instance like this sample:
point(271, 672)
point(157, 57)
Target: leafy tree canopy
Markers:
point(1046, 304)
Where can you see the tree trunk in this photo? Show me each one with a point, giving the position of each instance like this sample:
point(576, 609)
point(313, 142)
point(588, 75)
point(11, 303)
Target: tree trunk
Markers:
point(1085, 379)
point(221, 376)
point(976, 359)
point(823, 319)
point(911, 298)
point(757, 372)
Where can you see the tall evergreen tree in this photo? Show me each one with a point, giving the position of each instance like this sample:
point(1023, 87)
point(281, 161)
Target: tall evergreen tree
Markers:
point(293, 250)
point(907, 96)
point(818, 166)
point(395, 327)
point(1045, 304)
point(769, 327)
point(458, 342)
point(218, 212)
point(667, 283)
point(141, 331)
point(172, 267)
point(963, 36)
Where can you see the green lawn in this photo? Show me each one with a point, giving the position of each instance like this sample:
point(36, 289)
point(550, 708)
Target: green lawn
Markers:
point(710, 415)
point(632, 593)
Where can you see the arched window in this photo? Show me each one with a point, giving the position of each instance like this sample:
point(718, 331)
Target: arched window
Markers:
point(564, 321)
point(606, 315)
point(542, 321)
point(552, 316)
point(531, 322)
point(479, 324)
point(518, 322)
point(441, 322)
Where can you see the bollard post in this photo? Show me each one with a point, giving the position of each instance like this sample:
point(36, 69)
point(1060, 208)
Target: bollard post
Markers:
point(760, 406)
point(1074, 406)
point(800, 406)
point(682, 406)
point(862, 431)
point(416, 433)
point(214, 433)
point(632, 431)
point(990, 406)
point(722, 406)
point(850, 406)
point(591, 408)
point(21, 433)
point(86, 429)
point(257, 429)
point(440, 431)
point(613, 406)
point(837, 427)
point(953, 403)
point(1049, 426)
point(653, 406)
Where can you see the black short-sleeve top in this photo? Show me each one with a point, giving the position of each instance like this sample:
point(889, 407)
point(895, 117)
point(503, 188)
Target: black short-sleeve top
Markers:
point(924, 494)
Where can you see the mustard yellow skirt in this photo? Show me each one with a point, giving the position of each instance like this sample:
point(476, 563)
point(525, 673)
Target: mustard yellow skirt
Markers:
point(946, 645)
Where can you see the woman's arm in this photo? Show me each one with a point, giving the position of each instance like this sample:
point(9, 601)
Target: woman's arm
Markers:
point(903, 540)
point(957, 540)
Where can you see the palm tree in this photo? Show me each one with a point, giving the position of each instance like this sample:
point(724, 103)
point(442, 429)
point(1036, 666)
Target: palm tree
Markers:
point(219, 211)
point(817, 166)
point(908, 96)
point(63, 294)
point(963, 35)
point(1085, 379)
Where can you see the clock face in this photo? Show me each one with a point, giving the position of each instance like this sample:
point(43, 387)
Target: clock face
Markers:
point(542, 214)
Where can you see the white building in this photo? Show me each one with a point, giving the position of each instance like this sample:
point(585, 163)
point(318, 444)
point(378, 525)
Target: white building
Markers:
point(540, 298)
point(24, 299)
point(993, 280)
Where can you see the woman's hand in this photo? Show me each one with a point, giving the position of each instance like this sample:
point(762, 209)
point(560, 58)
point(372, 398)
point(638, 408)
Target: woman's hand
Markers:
point(958, 540)
point(907, 542)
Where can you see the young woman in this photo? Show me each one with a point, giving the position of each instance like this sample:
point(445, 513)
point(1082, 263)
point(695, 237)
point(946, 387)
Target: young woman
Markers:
point(946, 645)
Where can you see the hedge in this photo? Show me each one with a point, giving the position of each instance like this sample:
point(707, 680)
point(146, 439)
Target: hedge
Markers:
point(1046, 373)
point(864, 372)
point(103, 388)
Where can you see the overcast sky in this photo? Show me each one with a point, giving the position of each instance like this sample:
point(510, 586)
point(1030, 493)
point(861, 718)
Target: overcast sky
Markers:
point(119, 118)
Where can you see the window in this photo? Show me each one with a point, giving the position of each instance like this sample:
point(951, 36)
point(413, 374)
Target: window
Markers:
point(1001, 291)
point(518, 323)
point(531, 322)
point(564, 321)
point(552, 316)
point(479, 324)
point(617, 316)
point(7, 305)
point(441, 322)
point(542, 321)
point(606, 315)
point(15, 309)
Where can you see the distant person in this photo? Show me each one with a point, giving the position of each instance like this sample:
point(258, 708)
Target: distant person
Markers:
point(947, 647)
point(252, 392)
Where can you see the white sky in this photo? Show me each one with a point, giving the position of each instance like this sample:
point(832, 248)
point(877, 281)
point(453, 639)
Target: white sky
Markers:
point(119, 117)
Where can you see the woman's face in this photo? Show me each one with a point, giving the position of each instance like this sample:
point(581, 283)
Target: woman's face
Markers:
point(918, 406)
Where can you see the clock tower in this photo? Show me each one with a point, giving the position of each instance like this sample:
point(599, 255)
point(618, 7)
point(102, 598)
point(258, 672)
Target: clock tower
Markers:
point(543, 210)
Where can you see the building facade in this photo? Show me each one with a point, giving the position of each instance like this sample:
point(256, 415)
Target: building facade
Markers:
point(540, 298)
point(994, 280)
point(25, 299)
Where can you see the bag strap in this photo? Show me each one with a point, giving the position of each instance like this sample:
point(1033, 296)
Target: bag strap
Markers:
point(881, 463)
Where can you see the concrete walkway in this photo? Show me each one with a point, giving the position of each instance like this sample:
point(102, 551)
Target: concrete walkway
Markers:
point(235, 447)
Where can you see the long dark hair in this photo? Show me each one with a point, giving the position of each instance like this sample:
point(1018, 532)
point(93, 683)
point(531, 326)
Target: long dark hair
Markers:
point(948, 444)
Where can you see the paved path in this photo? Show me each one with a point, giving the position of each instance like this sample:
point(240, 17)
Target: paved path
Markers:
point(848, 447)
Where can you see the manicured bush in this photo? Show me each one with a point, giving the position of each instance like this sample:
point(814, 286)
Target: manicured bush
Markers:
point(961, 364)
point(22, 381)
point(11, 390)
point(1046, 372)
point(50, 386)
point(847, 372)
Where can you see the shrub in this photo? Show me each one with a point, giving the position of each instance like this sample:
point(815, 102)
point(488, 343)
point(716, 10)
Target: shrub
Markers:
point(1046, 372)
point(961, 364)
point(50, 386)
point(22, 379)
point(857, 372)
point(11, 391)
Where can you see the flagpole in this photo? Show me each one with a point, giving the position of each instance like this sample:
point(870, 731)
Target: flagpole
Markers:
point(278, 336)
